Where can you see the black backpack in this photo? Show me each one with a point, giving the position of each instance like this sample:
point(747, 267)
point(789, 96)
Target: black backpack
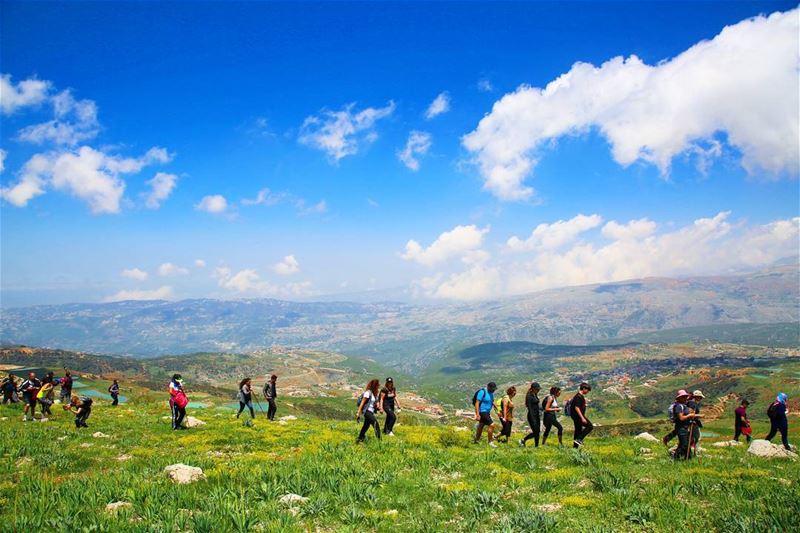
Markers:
point(544, 402)
point(475, 396)
point(86, 401)
point(772, 409)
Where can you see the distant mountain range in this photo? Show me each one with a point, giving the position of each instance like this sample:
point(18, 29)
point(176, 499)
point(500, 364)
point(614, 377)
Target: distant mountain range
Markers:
point(411, 336)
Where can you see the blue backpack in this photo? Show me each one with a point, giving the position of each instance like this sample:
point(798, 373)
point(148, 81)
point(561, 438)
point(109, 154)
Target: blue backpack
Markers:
point(568, 407)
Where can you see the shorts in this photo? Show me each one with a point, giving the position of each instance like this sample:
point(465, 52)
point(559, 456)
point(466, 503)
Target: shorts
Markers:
point(30, 399)
point(486, 419)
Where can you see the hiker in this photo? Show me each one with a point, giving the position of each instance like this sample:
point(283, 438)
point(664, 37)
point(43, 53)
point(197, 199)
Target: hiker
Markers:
point(30, 388)
point(551, 409)
point(45, 397)
point(741, 425)
point(483, 402)
point(82, 407)
point(777, 412)
point(9, 389)
point(534, 419)
point(694, 404)
point(177, 401)
point(270, 393)
point(577, 410)
point(683, 417)
point(388, 404)
point(507, 413)
point(114, 391)
point(245, 397)
point(66, 387)
point(366, 406)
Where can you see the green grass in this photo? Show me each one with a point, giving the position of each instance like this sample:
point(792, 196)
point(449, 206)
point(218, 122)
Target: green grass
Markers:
point(428, 478)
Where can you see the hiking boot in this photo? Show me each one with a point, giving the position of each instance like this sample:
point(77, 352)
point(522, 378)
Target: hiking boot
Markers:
point(665, 441)
point(492, 445)
point(577, 444)
point(521, 443)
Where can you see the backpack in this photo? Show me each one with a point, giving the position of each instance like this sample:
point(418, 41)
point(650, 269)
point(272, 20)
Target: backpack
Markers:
point(544, 402)
point(475, 397)
point(671, 412)
point(771, 410)
point(361, 397)
point(268, 391)
point(568, 407)
point(86, 401)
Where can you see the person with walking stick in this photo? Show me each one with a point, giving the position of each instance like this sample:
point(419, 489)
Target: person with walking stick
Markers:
point(683, 425)
point(270, 393)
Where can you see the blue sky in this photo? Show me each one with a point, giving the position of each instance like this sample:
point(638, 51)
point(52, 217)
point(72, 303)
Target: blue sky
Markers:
point(238, 96)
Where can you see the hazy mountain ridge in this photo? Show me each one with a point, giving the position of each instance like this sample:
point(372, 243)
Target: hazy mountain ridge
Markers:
point(410, 335)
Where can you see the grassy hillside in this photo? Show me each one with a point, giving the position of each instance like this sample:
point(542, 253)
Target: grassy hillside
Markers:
point(428, 478)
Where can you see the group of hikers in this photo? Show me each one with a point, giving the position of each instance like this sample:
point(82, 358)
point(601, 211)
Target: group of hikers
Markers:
point(684, 412)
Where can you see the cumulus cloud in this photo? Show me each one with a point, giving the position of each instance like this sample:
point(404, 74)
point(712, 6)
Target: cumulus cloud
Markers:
point(74, 121)
point(288, 265)
point(268, 198)
point(743, 83)
point(440, 105)
point(455, 242)
point(161, 186)
point(249, 283)
point(169, 269)
point(25, 93)
point(213, 203)
point(88, 174)
point(134, 273)
point(199, 263)
point(161, 293)
point(418, 144)
point(549, 236)
point(340, 133)
point(622, 251)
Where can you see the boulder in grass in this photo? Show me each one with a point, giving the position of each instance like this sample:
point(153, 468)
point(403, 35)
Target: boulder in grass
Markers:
point(192, 422)
point(181, 473)
point(726, 443)
point(287, 418)
point(764, 448)
point(646, 436)
point(113, 507)
point(292, 500)
point(100, 435)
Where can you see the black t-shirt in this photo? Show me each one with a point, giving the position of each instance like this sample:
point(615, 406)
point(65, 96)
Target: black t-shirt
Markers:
point(388, 398)
point(579, 402)
point(691, 404)
point(532, 404)
point(681, 408)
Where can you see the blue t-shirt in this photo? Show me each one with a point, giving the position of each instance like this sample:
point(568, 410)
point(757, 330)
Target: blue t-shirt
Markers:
point(487, 401)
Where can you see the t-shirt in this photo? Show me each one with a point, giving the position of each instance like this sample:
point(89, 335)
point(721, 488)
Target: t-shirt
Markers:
point(694, 406)
point(246, 392)
point(681, 408)
point(486, 400)
point(532, 404)
point(388, 398)
point(66, 383)
point(780, 412)
point(578, 402)
point(114, 388)
point(741, 415)
point(30, 386)
point(371, 400)
point(509, 406)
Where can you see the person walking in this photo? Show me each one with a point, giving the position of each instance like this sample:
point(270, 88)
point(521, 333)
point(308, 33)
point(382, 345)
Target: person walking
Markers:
point(683, 417)
point(271, 393)
point(113, 390)
point(583, 426)
point(82, 407)
point(507, 413)
point(551, 409)
point(9, 389)
point(483, 402)
point(778, 420)
point(246, 397)
point(367, 406)
point(177, 401)
point(45, 397)
point(29, 389)
point(388, 404)
point(66, 388)
point(534, 417)
point(741, 425)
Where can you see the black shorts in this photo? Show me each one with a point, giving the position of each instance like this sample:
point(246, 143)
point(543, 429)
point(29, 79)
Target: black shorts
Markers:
point(29, 398)
point(486, 419)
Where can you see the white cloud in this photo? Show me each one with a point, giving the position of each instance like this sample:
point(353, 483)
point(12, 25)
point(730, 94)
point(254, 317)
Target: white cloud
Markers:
point(418, 143)
point(213, 203)
point(743, 82)
point(339, 133)
point(249, 283)
point(74, 121)
point(268, 198)
point(440, 104)
point(169, 269)
point(457, 241)
point(134, 273)
point(88, 174)
point(3, 155)
point(199, 263)
point(485, 86)
point(161, 293)
point(26, 93)
point(265, 197)
point(161, 186)
point(623, 251)
point(288, 265)
point(549, 236)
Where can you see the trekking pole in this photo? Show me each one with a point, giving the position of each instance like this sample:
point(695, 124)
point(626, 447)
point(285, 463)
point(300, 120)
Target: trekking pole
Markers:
point(691, 438)
point(259, 405)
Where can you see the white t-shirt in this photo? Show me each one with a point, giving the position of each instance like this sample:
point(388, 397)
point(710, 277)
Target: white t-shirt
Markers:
point(371, 400)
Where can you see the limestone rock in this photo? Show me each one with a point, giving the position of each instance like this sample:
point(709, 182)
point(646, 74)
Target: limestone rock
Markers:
point(113, 507)
point(726, 443)
point(646, 436)
point(292, 500)
point(181, 473)
point(288, 417)
point(764, 448)
point(100, 435)
point(192, 422)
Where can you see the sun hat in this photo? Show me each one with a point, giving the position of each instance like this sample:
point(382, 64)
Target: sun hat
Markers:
point(698, 394)
point(681, 394)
